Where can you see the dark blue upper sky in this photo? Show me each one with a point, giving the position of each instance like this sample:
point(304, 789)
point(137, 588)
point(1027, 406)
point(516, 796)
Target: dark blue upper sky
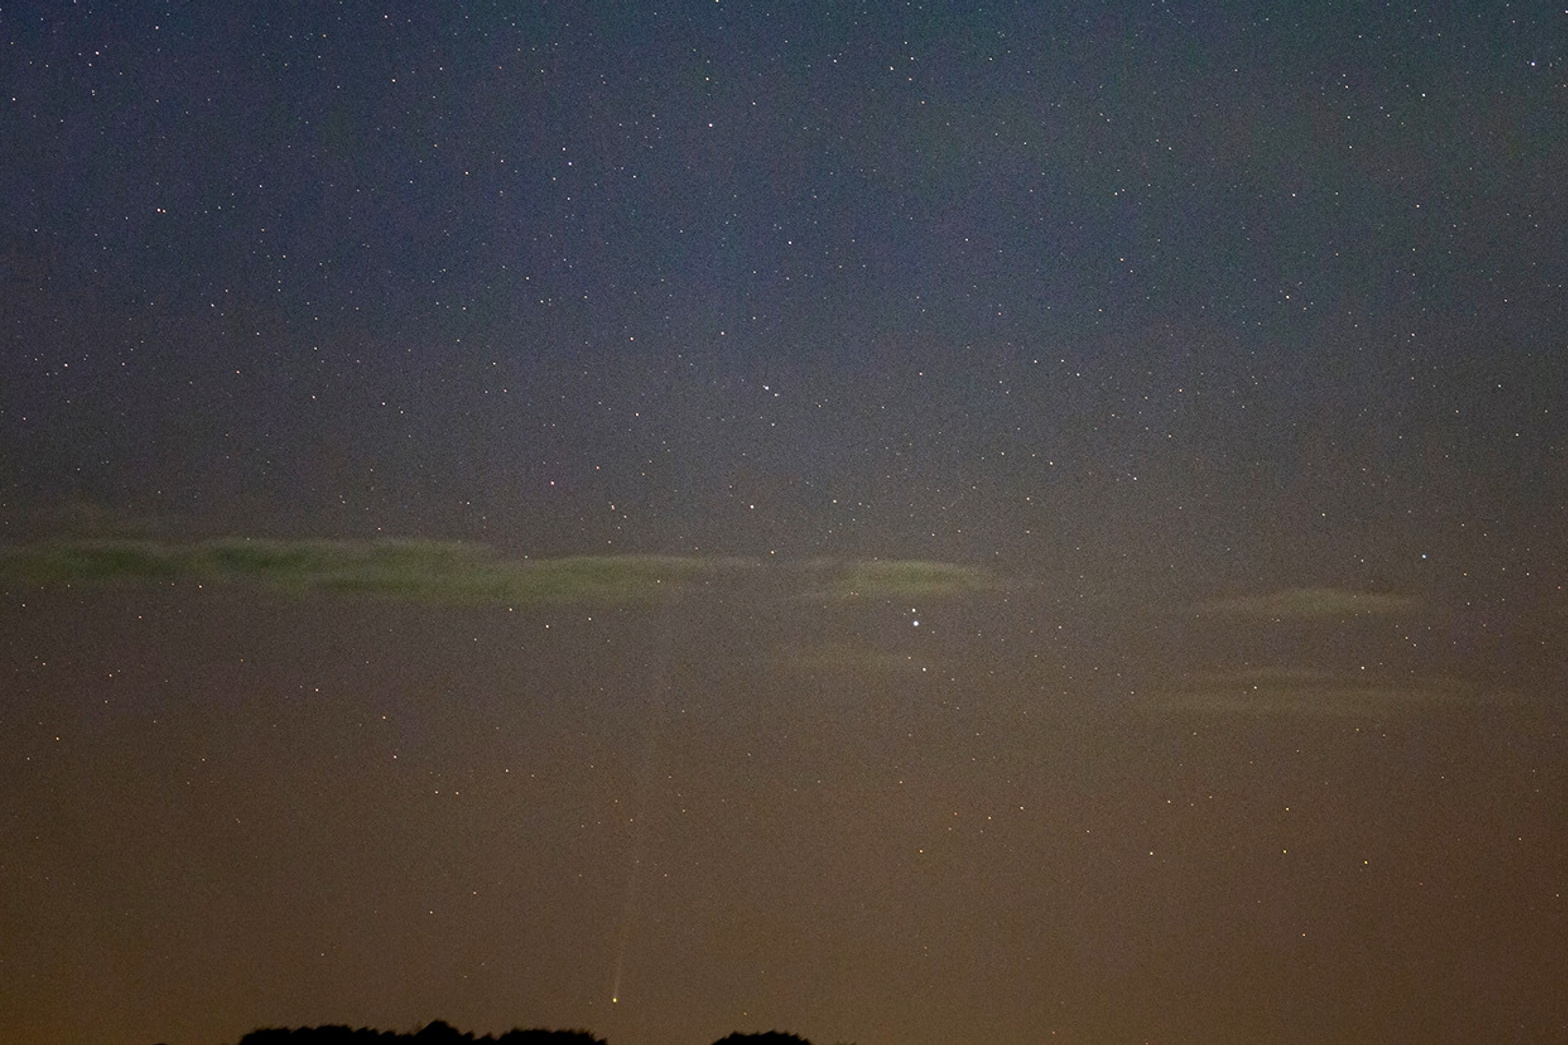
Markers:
point(886, 272)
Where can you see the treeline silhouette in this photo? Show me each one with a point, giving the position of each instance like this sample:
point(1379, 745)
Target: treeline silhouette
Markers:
point(442, 1033)
point(438, 1033)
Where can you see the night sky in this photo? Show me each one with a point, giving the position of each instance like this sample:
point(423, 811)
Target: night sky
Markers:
point(1109, 460)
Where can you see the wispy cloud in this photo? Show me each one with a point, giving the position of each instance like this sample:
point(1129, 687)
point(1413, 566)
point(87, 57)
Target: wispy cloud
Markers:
point(899, 579)
point(1286, 691)
point(426, 571)
point(845, 657)
point(450, 571)
point(1309, 604)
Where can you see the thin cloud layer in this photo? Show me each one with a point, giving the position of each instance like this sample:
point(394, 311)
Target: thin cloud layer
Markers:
point(1309, 604)
point(909, 579)
point(428, 571)
point(451, 571)
point(846, 658)
point(1287, 691)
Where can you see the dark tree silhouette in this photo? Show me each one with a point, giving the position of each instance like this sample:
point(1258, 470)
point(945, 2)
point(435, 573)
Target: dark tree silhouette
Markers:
point(549, 1037)
point(768, 1037)
point(327, 1034)
point(438, 1032)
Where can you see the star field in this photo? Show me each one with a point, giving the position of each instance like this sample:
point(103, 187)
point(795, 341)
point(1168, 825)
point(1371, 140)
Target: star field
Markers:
point(898, 522)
